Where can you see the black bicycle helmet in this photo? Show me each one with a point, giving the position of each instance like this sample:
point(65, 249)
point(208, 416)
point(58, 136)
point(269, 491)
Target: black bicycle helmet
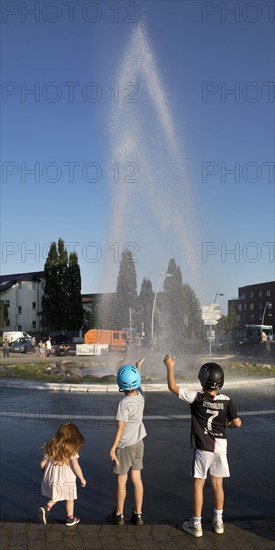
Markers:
point(211, 376)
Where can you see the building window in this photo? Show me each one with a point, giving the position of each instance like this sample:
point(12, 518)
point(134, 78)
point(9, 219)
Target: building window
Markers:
point(6, 302)
point(19, 285)
point(239, 307)
point(19, 310)
point(34, 285)
point(19, 327)
point(260, 305)
point(268, 292)
point(251, 307)
point(242, 296)
point(252, 316)
point(34, 324)
point(244, 306)
point(251, 294)
point(260, 293)
point(34, 305)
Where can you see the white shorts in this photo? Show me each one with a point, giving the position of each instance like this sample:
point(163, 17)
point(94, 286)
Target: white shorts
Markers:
point(203, 460)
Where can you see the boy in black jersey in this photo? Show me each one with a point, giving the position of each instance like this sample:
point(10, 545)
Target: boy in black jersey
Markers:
point(211, 414)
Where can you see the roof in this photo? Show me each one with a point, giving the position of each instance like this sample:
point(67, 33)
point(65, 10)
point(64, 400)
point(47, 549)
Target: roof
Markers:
point(7, 281)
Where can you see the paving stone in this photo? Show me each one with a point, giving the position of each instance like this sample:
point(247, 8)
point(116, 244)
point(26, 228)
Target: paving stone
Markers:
point(92, 544)
point(128, 541)
point(37, 545)
point(32, 534)
point(54, 536)
point(18, 538)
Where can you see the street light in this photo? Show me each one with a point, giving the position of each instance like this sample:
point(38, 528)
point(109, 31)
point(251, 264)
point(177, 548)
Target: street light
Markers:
point(218, 293)
point(267, 305)
point(163, 274)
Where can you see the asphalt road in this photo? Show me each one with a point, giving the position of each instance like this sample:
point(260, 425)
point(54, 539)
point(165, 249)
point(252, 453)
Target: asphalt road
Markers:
point(28, 418)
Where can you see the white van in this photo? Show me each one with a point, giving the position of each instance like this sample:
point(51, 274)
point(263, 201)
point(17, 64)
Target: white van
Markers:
point(14, 335)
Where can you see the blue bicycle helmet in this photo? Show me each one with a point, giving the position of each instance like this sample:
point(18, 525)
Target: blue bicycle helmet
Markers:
point(128, 378)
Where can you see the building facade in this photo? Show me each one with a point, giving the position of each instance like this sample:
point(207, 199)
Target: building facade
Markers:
point(255, 304)
point(22, 294)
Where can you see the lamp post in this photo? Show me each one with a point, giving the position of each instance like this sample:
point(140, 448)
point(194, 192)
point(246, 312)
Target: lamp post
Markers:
point(218, 293)
point(163, 274)
point(268, 304)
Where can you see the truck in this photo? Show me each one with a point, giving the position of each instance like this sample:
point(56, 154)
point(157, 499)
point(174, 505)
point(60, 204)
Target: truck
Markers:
point(14, 335)
point(114, 339)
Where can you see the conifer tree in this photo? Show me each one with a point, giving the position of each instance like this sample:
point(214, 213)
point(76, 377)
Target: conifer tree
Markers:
point(75, 313)
point(146, 299)
point(126, 296)
point(61, 302)
point(183, 316)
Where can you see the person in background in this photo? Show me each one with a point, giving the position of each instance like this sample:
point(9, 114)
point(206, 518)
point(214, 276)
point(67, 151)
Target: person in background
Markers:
point(6, 348)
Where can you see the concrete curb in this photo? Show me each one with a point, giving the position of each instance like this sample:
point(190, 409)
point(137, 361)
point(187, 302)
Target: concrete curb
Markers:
point(112, 388)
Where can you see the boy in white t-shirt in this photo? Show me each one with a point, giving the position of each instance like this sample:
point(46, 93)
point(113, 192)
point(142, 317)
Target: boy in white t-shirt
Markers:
point(128, 448)
point(211, 413)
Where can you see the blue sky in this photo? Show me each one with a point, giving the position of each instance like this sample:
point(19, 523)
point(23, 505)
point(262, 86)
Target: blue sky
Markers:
point(171, 122)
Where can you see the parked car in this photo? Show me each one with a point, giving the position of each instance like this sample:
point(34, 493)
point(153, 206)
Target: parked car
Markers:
point(21, 345)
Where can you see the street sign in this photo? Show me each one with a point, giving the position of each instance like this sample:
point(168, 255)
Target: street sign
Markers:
point(210, 335)
point(210, 321)
point(211, 314)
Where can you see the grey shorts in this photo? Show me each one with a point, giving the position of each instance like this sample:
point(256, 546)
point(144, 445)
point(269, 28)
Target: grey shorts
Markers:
point(129, 457)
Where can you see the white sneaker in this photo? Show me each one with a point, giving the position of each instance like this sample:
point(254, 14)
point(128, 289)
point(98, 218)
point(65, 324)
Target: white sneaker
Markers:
point(218, 526)
point(195, 530)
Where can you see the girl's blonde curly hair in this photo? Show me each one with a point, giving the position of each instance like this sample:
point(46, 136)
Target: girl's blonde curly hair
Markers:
point(65, 444)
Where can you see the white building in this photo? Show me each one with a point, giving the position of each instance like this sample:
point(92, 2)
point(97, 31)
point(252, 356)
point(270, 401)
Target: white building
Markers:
point(22, 293)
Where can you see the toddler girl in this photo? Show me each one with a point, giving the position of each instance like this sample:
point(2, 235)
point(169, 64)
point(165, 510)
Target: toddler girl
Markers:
point(60, 464)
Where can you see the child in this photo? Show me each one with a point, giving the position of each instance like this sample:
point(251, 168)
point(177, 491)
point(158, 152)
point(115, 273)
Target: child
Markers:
point(61, 467)
point(211, 413)
point(127, 449)
point(41, 346)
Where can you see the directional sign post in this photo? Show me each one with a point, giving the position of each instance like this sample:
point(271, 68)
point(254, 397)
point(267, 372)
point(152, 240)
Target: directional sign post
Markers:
point(210, 315)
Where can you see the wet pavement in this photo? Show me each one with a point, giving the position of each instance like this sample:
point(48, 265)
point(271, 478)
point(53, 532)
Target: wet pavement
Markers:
point(29, 416)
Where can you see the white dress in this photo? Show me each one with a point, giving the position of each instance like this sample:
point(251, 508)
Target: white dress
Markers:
point(59, 481)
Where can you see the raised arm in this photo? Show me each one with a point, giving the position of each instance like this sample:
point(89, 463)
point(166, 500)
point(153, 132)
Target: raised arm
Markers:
point(139, 364)
point(169, 362)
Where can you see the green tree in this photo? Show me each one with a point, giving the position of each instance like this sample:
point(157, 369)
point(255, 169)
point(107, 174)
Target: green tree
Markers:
point(192, 312)
point(126, 296)
point(61, 302)
point(4, 314)
point(229, 322)
point(146, 299)
point(73, 291)
point(182, 308)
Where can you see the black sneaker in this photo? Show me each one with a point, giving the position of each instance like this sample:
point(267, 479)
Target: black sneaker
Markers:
point(71, 521)
point(136, 519)
point(43, 514)
point(114, 519)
